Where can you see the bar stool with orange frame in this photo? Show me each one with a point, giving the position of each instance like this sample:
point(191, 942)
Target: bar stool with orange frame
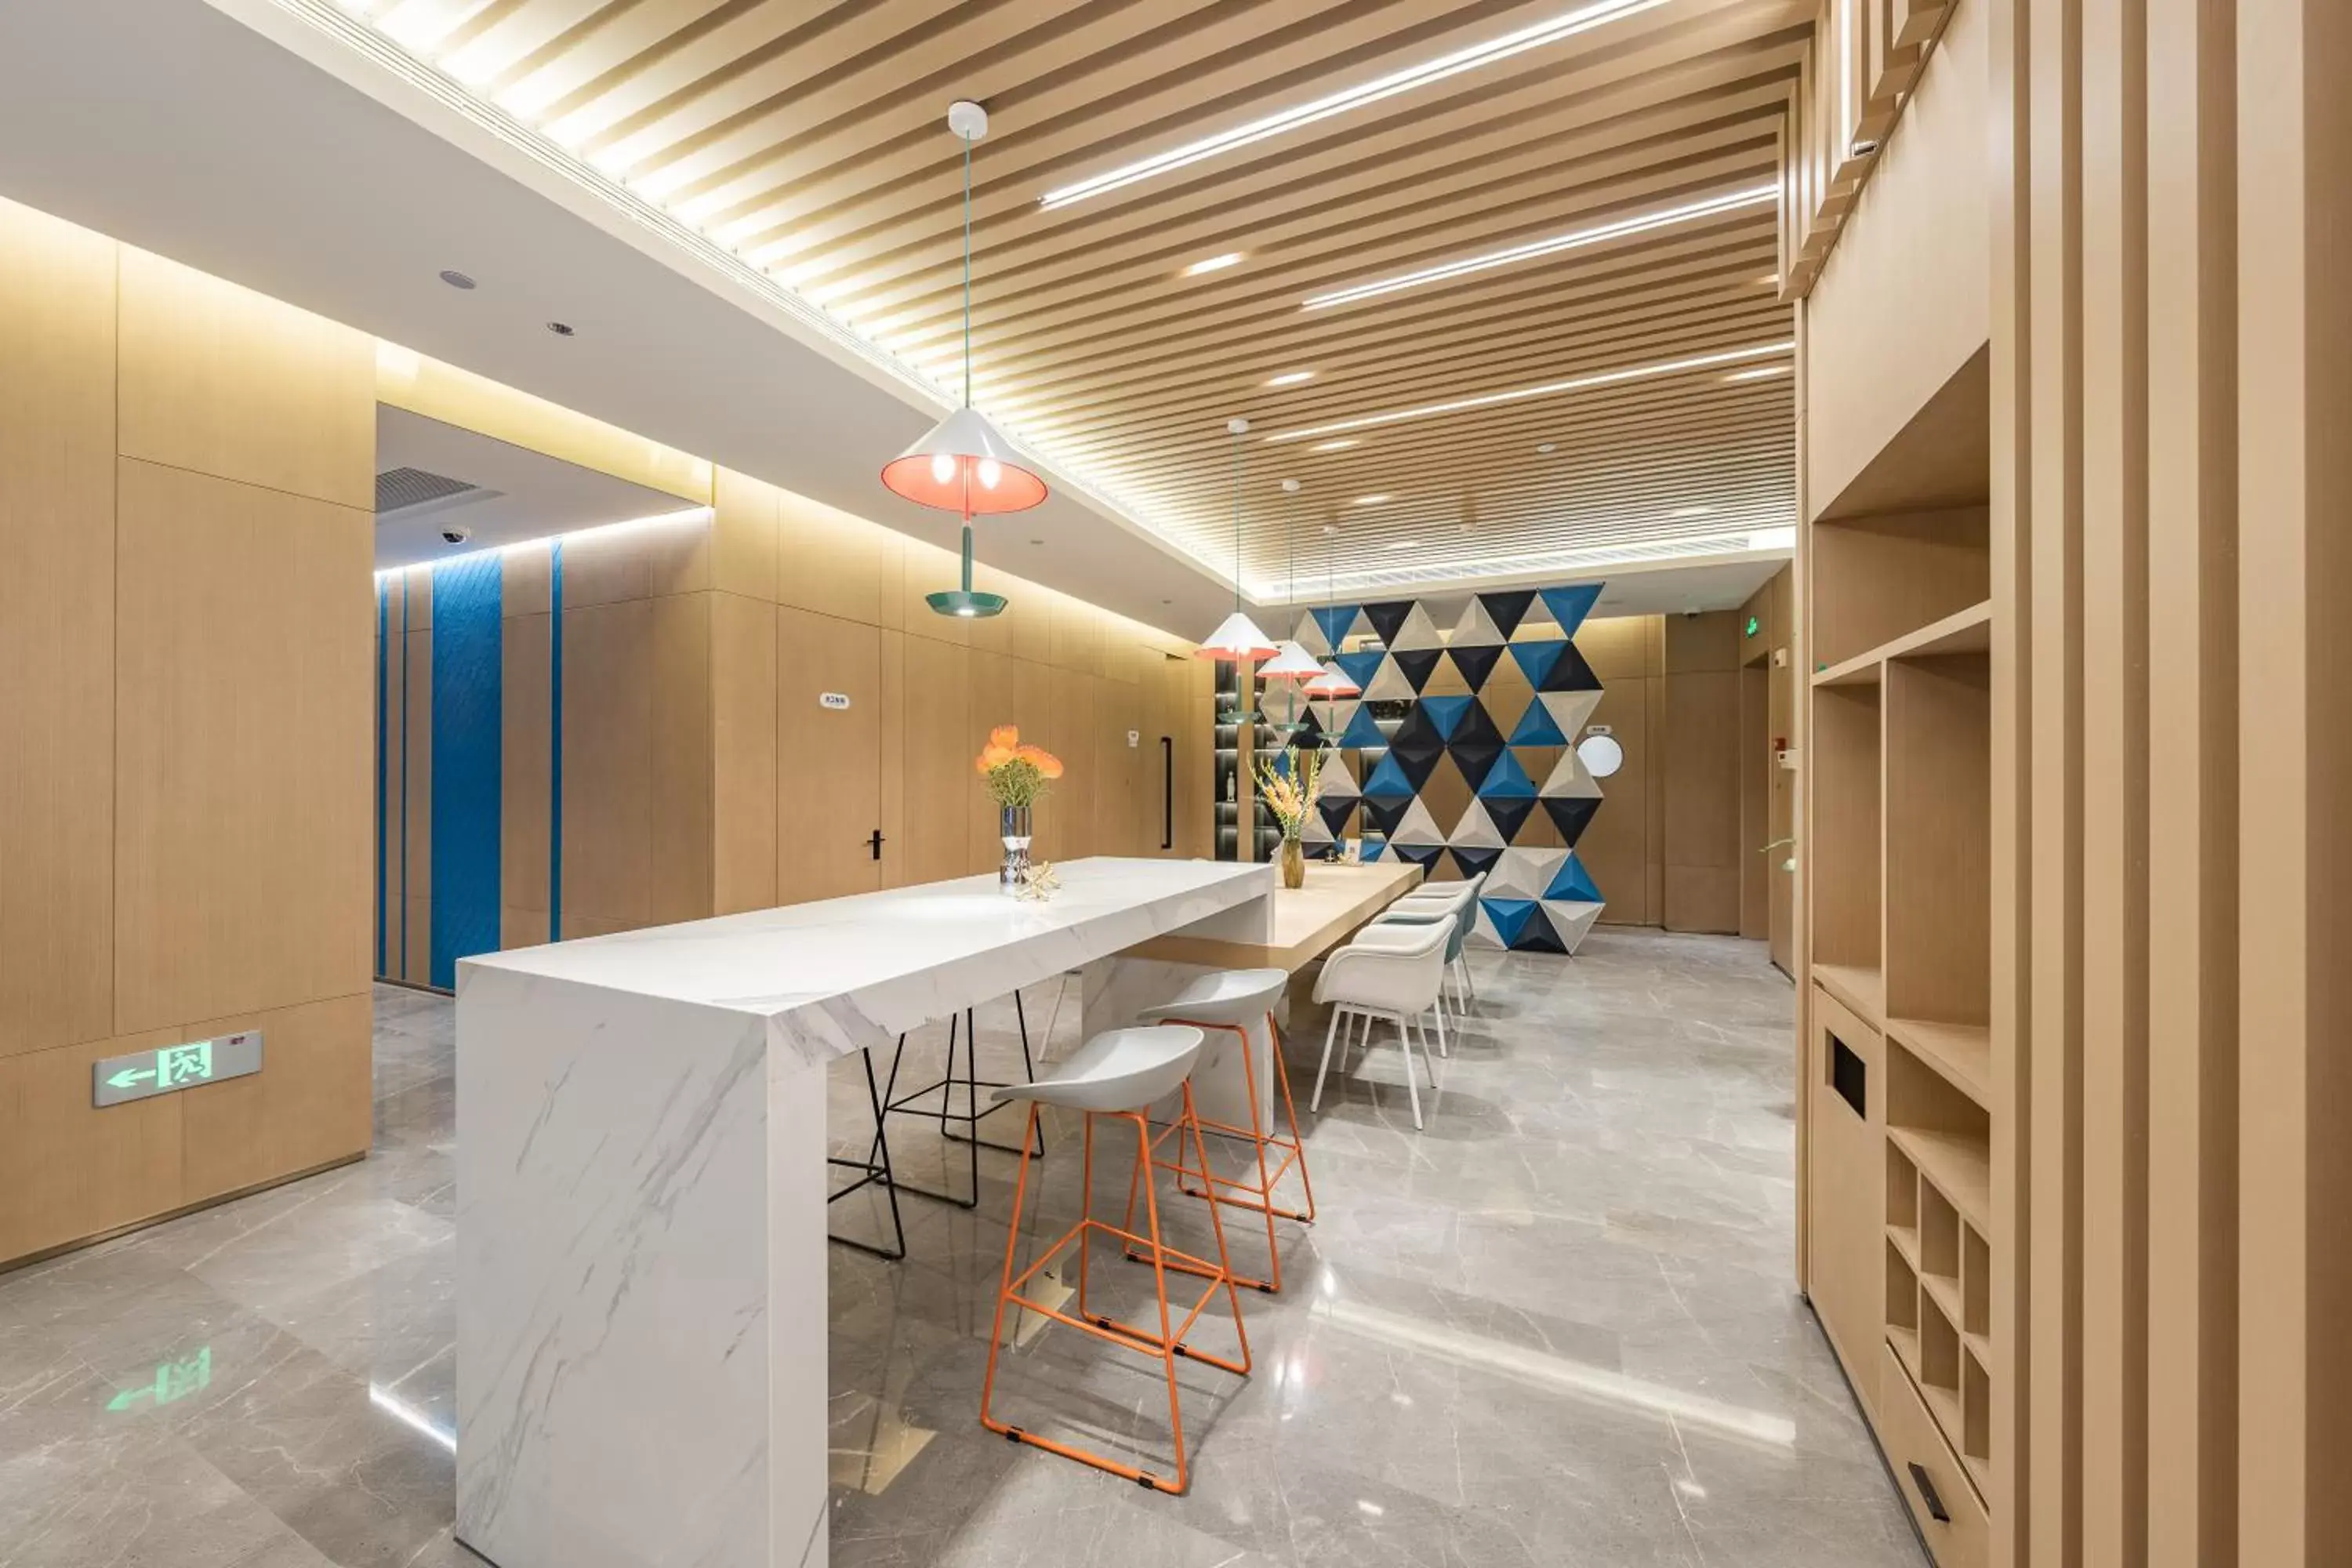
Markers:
point(1118, 1074)
point(1229, 1001)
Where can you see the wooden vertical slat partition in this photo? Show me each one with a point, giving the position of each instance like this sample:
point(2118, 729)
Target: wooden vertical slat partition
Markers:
point(2170, 188)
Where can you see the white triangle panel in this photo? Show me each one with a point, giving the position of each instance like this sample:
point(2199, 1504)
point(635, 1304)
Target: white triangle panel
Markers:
point(1571, 711)
point(1336, 783)
point(1570, 777)
point(1389, 684)
point(1573, 921)
point(1418, 631)
point(1317, 830)
point(1476, 830)
point(1417, 825)
point(1308, 635)
point(1523, 873)
point(1477, 627)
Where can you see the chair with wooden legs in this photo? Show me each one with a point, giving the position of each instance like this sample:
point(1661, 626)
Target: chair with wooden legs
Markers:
point(1118, 1074)
point(1228, 1001)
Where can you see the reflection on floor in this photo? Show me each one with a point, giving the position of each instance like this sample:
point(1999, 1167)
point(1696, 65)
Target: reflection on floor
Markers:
point(1555, 1328)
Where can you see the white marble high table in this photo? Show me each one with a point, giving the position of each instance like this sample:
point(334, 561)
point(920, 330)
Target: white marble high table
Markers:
point(641, 1181)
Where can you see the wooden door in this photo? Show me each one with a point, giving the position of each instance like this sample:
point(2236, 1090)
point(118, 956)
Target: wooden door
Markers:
point(828, 756)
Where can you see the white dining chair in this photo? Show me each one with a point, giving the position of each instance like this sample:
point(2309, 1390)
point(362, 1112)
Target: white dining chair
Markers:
point(1392, 972)
point(1457, 901)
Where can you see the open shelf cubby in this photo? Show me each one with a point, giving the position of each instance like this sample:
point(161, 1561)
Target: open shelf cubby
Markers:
point(1847, 923)
point(1878, 581)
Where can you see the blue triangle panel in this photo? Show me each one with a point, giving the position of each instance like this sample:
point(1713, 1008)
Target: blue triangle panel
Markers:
point(1360, 666)
point(1362, 733)
point(1568, 606)
point(1445, 712)
point(1506, 779)
point(1536, 659)
point(1388, 781)
point(1537, 727)
point(1509, 916)
point(1335, 620)
point(1374, 848)
point(1573, 883)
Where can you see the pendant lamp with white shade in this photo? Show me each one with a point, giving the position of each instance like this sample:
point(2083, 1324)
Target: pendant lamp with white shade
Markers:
point(1237, 638)
point(965, 464)
point(1291, 660)
point(1334, 684)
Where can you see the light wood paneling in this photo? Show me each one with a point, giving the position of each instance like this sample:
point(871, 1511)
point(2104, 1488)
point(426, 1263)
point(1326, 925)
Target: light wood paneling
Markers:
point(243, 862)
point(1700, 756)
point(610, 566)
point(218, 380)
point(57, 633)
point(745, 541)
point(744, 710)
point(308, 1107)
point(939, 782)
point(835, 565)
point(991, 704)
point(69, 1171)
point(829, 793)
point(1615, 847)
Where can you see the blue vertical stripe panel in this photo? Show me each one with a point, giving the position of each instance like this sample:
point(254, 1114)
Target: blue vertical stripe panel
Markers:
point(467, 722)
point(382, 745)
point(555, 748)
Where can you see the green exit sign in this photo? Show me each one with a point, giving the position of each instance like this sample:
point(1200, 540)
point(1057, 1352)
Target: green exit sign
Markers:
point(1752, 628)
point(144, 1074)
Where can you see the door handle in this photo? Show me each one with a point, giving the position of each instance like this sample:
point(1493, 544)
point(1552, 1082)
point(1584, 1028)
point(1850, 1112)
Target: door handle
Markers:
point(1929, 1495)
point(1168, 792)
point(874, 844)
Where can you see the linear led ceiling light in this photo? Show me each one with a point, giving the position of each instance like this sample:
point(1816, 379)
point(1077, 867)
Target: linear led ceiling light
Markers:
point(1565, 26)
point(1546, 389)
point(1574, 239)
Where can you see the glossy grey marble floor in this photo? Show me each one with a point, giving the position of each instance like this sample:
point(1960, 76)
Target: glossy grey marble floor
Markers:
point(1556, 1327)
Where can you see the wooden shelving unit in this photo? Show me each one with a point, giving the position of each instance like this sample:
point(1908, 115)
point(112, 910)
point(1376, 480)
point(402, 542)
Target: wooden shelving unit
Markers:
point(1900, 1053)
point(1233, 770)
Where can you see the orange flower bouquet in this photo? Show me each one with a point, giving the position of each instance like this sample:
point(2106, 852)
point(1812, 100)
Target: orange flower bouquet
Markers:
point(1017, 775)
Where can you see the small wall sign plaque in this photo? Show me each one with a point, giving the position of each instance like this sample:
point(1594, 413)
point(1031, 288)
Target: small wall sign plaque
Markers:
point(143, 1075)
point(837, 700)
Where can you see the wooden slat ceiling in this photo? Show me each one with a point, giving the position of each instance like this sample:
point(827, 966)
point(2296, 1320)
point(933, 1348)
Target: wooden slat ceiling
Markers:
point(811, 139)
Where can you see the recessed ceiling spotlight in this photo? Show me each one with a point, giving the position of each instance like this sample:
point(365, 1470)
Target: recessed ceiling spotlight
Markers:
point(1372, 500)
point(1546, 447)
point(1566, 25)
point(1402, 545)
point(1213, 264)
point(1573, 239)
point(1761, 373)
point(455, 278)
point(1333, 446)
point(1692, 510)
point(1036, 542)
point(1544, 389)
point(1864, 148)
point(1329, 529)
point(1291, 378)
point(561, 329)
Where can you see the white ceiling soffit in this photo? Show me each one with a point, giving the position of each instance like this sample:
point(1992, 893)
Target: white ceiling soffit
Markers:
point(515, 494)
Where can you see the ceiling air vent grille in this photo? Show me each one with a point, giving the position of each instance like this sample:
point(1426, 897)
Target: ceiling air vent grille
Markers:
point(399, 488)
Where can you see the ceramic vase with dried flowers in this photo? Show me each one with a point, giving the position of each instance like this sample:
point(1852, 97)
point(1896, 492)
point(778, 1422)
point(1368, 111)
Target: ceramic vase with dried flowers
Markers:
point(1289, 783)
point(1016, 775)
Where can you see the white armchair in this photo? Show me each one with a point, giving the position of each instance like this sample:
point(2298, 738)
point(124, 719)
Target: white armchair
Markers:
point(1392, 972)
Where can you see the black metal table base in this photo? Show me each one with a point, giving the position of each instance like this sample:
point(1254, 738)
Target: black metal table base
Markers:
point(875, 1171)
point(971, 1116)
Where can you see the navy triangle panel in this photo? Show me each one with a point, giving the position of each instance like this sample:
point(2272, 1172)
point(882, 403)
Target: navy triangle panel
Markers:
point(1569, 672)
point(1475, 727)
point(1472, 860)
point(1572, 814)
point(1474, 758)
point(1508, 813)
point(1338, 814)
point(1477, 662)
point(1416, 765)
point(1537, 935)
point(1422, 855)
point(1417, 663)
point(1388, 618)
point(1418, 735)
point(1387, 813)
point(1507, 610)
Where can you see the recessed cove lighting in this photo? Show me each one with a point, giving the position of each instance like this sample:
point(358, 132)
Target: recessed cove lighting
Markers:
point(455, 278)
point(1290, 378)
point(1574, 239)
point(1692, 510)
point(561, 329)
point(1568, 24)
point(1333, 446)
point(1544, 389)
point(1372, 500)
point(1761, 373)
point(1402, 545)
point(1213, 264)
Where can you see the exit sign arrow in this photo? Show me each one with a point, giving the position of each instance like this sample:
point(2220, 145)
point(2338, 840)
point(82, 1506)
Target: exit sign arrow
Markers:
point(129, 1076)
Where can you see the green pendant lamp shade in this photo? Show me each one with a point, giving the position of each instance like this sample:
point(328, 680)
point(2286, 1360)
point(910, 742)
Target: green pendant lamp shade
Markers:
point(965, 464)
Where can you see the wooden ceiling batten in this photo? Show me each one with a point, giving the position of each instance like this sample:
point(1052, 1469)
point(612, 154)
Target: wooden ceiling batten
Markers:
point(805, 137)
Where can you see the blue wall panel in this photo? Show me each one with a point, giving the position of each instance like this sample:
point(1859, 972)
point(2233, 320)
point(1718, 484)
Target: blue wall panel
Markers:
point(467, 675)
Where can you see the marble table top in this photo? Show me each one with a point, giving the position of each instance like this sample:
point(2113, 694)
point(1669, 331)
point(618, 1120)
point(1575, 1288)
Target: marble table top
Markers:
point(845, 974)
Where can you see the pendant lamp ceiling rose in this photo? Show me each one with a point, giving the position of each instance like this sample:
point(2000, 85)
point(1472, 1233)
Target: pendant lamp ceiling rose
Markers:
point(968, 120)
point(1236, 426)
point(1290, 487)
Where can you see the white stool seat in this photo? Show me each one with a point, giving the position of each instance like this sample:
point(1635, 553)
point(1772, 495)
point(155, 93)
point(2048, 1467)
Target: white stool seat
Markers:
point(1227, 997)
point(1118, 1070)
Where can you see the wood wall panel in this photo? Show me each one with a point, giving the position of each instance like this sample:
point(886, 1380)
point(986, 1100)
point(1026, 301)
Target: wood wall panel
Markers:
point(218, 380)
point(57, 632)
point(936, 719)
point(243, 789)
point(1699, 754)
point(743, 713)
point(829, 775)
point(308, 1106)
point(70, 1171)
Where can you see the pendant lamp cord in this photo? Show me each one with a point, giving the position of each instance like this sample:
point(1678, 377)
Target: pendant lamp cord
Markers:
point(1237, 522)
point(967, 275)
